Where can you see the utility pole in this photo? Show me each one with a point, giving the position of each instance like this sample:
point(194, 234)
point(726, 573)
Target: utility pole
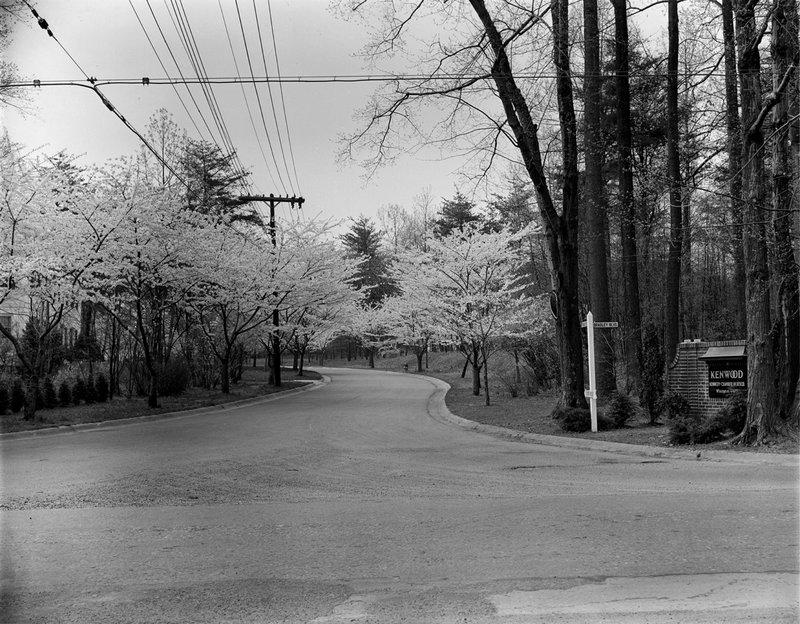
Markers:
point(276, 321)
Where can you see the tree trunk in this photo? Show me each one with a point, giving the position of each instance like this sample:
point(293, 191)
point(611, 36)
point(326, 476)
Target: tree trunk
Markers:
point(673, 281)
point(152, 396)
point(371, 357)
point(476, 379)
point(594, 196)
point(486, 379)
point(561, 230)
point(761, 413)
point(276, 351)
point(420, 355)
point(734, 129)
point(113, 360)
point(31, 390)
point(564, 246)
point(785, 54)
point(630, 271)
point(225, 372)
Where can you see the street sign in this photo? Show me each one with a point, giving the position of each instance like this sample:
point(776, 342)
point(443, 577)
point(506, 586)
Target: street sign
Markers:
point(602, 324)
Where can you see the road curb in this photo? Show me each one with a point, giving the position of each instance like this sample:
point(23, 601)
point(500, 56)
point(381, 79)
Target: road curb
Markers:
point(438, 410)
point(109, 424)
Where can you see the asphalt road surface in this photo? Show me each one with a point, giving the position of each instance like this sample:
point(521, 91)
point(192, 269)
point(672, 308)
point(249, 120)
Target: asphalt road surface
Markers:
point(357, 502)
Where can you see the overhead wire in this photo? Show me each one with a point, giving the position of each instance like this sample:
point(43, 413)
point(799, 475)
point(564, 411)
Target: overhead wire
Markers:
point(160, 62)
point(183, 80)
point(258, 97)
point(183, 27)
point(283, 99)
point(244, 95)
point(106, 102)
point(271, 99)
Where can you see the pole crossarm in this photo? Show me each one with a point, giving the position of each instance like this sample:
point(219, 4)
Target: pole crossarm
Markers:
point(272, 199)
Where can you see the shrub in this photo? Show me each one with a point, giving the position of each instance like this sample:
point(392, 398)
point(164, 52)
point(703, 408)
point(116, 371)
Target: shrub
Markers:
point(174, 378)
point(620, 409)
point(90, 394)
point(687, 426)
point(5, 398)
point(542, 359)
point(577, 420)
point(78, 391)
point(64, 395)
point(101, 388)
point(49, 394)
point(17, 396)
point(39, 397)
point(733, 415)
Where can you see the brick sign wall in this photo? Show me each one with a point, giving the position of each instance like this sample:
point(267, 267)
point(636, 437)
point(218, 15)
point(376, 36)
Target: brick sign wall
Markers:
point(706, 383)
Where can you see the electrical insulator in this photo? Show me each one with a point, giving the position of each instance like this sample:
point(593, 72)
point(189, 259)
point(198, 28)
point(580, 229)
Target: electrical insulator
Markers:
point(145, 81)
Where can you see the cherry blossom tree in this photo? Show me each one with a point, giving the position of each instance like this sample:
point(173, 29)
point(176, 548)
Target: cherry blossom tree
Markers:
point(40, 272)
point(470, 278)
point(145, 271)
point(412, 316)
point(232, 292)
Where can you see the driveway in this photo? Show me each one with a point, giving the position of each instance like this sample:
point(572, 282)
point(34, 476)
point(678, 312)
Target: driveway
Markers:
point(357, 502)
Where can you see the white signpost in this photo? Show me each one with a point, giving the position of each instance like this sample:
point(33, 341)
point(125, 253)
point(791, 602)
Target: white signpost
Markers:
point(591, 393)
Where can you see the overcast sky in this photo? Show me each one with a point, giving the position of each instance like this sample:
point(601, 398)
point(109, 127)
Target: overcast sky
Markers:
point(106, 41)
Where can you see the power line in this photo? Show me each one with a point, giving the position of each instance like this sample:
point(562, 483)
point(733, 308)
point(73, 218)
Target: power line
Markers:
point(94, 87)
point(160, 62)
point(315, 79)
point(178, 67)
point(184, 29)
point(271, 99)
point(258, 97)
point(283, 100)
point(244, 94)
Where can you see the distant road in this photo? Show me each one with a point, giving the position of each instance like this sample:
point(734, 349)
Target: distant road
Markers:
point(350, 503)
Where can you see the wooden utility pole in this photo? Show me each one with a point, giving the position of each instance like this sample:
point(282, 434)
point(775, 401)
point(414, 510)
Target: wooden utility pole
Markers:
point(276, 339)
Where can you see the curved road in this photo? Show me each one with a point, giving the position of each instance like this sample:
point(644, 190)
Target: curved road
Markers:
point(357, 502)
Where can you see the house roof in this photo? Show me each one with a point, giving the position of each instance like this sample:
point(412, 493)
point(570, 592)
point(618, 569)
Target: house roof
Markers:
point(724, 353)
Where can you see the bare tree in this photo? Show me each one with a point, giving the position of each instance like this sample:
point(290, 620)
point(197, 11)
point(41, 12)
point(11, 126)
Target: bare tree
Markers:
point(630, 256)
point(11, 13)
point(473, 75)
point(594, 194)
point(762, 416)
point(672, 335)
point(785, 52)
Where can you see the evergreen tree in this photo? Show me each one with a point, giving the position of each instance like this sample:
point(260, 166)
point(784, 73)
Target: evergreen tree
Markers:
point(64, 395)
point(372, 276)
point(454, 215)
point(5, 398)
point(17, 396)
point(49, 398)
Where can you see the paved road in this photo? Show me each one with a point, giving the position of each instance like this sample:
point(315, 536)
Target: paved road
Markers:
point(355, 502)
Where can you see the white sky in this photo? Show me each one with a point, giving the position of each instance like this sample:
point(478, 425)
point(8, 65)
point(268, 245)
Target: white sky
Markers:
point(105, 39)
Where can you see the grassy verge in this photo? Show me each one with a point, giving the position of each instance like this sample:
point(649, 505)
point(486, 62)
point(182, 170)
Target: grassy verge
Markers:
point(254, 383)
point(532, 414)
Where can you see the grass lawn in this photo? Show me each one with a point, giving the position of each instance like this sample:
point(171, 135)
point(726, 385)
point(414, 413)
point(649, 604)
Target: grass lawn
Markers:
point(253, 383)
point(532, 414)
